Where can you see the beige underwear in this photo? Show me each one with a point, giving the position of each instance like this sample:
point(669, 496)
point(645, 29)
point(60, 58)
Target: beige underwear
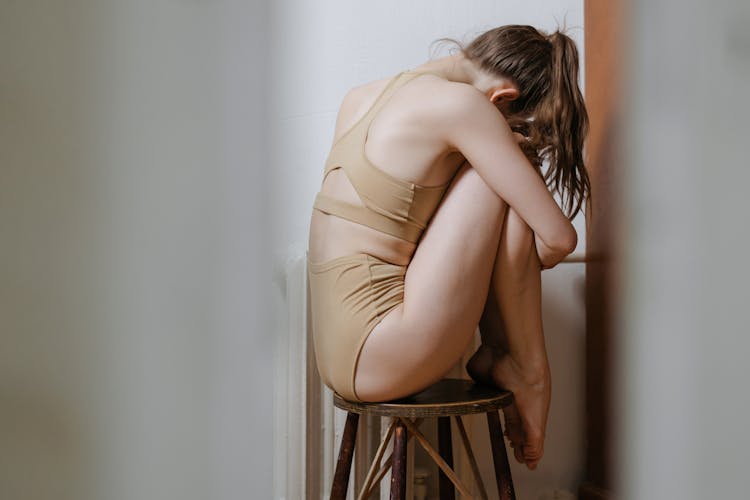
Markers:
point(349, 295)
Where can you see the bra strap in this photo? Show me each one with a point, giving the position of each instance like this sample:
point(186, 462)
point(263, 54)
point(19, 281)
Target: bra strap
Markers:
point(424, 72)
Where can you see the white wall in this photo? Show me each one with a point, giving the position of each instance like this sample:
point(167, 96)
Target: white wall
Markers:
point(683, 398)
point(322, 49)
point(134, 352)
point(319, 51)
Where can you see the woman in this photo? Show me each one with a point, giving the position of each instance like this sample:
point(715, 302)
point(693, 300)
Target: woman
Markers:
point(434, 217)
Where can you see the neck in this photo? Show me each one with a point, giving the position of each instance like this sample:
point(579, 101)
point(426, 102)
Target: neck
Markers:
point(457, 68)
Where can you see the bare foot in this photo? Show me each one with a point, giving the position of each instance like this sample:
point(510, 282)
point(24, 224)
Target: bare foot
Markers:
point(526, 418)
point(479, 368)
point(531, 393)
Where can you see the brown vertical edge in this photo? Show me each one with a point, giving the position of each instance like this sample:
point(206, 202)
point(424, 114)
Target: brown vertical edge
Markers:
point(344, 463)
point(445, 446)
point(603, 28)
point(500, 457)
point(398, 473)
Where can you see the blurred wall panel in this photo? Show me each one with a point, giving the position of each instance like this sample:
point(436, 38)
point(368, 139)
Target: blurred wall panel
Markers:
point(682, 397)
point(134, 350)
point(604, 24)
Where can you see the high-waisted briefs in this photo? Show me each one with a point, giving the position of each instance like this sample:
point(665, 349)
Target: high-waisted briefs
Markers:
point(349, 295)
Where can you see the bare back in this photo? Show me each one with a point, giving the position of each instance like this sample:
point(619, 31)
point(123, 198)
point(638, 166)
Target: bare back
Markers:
point(402, 141)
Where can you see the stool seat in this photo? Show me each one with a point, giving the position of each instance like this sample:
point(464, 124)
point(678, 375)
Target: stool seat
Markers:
point(446, 398)
point(443, 400)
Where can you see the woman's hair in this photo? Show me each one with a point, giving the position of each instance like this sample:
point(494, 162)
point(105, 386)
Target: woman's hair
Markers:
point(550, 111)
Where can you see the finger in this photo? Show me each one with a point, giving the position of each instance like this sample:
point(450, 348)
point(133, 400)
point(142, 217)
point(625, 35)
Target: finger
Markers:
point(520, 138)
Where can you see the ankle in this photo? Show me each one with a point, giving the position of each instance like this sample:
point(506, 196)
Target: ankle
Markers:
point(533, 371)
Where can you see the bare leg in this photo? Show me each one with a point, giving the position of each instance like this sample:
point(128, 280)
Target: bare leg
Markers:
point(456, 264)
point(445, 290)
point(513, 353)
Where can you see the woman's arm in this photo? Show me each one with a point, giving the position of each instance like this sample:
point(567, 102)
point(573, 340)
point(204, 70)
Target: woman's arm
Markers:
point(548, 257)
point(475, 127)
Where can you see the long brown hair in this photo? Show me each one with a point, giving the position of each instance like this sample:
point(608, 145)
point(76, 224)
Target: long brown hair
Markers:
point(550, 111)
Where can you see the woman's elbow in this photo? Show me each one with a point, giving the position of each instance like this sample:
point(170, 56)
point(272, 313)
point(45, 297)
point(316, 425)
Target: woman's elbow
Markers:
point(567, 241)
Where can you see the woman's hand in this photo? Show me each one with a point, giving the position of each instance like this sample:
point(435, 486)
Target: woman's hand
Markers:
point(520, 138)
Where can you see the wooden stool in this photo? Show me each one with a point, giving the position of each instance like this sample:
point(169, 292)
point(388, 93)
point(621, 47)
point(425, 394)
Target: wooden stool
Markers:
point(449, 397)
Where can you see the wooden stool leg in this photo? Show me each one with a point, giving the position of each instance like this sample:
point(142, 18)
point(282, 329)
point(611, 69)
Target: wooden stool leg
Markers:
point(398, 473)
point(445, 446)
point(500, 457)
point(344, 464)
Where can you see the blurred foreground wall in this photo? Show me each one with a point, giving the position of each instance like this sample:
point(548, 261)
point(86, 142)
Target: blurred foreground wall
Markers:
point(134, 354)
point(685, 340)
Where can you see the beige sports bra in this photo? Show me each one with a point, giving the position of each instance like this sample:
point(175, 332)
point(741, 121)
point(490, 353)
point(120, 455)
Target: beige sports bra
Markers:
point(391, 205)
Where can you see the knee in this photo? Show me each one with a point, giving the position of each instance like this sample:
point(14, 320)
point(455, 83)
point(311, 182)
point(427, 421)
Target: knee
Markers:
point(468, 176)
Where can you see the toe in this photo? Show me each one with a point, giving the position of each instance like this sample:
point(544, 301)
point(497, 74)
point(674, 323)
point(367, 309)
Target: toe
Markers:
point(513, 425)
point(532, 454)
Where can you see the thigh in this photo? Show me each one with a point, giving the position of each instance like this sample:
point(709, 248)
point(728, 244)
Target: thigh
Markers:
point(445, 289)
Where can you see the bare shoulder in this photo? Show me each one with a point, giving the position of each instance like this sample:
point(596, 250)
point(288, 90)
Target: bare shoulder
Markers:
point(463, 115)
point(444, 107)
point(354, 104)
point(465, 102)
